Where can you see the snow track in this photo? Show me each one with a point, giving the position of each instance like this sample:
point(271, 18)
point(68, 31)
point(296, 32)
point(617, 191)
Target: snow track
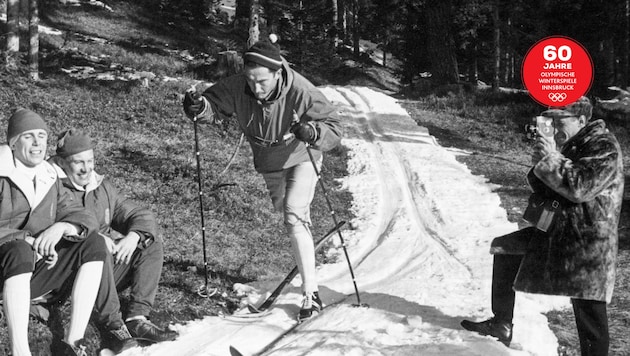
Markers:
point(419, 249)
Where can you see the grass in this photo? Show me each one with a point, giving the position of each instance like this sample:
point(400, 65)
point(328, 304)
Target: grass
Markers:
point(490, 126)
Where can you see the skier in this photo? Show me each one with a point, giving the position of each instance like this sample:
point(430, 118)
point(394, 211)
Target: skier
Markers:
point(280, 113)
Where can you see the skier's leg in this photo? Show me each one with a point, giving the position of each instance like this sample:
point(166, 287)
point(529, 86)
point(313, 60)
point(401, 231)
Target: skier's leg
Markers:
point(300, 188)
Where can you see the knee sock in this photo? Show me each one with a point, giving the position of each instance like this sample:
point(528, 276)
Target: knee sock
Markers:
point(84, 293)
point(17, 302)
point(304, 254)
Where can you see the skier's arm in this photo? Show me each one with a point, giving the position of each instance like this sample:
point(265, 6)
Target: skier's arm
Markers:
point(321, 119)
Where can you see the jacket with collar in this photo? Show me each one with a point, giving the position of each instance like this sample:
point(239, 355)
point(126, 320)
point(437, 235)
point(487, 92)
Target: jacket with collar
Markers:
point(116, 215)
point(266, 124)
point(27, 210)
point(577, 255)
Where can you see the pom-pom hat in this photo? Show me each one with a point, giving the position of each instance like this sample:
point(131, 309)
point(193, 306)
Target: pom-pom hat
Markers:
point(265, 54)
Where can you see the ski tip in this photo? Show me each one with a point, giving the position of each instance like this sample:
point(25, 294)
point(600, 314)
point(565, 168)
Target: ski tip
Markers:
point(235, 352)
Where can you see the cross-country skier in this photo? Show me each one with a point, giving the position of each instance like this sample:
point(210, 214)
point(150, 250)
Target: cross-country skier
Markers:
point(280, 113)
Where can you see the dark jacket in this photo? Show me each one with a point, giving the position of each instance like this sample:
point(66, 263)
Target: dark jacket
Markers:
point(25, 211)
point(577, 256)
point(116, 214)
point(266, 124)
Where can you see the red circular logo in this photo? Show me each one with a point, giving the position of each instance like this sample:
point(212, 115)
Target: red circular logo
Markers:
point(557, 71)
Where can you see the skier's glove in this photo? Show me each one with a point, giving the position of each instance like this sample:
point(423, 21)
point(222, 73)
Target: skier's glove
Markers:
point(305, 131)
point(194, 103)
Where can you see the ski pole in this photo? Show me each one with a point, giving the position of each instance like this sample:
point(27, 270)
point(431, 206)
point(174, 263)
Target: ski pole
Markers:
point(334, 217)
point(202, 290)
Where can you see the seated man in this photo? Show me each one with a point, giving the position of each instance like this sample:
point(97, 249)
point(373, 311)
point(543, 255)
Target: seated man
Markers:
point(46, 237)
point(130, 233)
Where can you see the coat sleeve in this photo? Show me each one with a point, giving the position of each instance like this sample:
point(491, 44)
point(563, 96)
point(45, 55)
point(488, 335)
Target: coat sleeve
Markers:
point(128, 216)
point(71, 211)
point(325, 117)
point(220, 99)
point(582, 179)
point(8, 235)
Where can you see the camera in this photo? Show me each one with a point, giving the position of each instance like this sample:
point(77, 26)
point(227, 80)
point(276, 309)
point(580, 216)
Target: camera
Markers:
point(541, 125)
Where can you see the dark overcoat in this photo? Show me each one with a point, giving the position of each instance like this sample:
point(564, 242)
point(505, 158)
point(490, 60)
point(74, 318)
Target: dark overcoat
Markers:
point(577, 255)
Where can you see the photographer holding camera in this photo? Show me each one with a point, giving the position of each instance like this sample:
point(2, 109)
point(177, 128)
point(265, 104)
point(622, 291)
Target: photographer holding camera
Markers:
point(577, 181)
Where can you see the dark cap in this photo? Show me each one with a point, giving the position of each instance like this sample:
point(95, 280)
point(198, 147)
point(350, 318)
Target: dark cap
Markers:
point(73, 141)
point(265, 54)
point(23, 120)
point(580, 107)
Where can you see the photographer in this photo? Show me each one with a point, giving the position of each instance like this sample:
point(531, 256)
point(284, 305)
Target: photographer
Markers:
point(571, 249)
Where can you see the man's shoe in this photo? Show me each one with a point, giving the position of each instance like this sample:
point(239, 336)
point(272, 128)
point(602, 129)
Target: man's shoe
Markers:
point(145, 330)
point(311, 305)
point(78, 349)
point(500, 329)
point(122, 339)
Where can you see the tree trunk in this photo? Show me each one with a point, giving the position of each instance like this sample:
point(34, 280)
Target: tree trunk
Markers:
point(385, 55)
point(254, 32)
point(497, 46)
point(355, 27)
point(13, 35)
point(334, 28)
point(342, 20)
point(228, 63)
point(33, 45)
point(626, 45)
point(440, 43)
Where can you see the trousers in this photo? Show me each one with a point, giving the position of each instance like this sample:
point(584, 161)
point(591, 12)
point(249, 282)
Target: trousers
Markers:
point(590, 315)
point(141, 275)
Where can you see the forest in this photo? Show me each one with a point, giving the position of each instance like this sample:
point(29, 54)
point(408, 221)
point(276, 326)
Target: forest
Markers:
point(455, 40)
point(450, 41)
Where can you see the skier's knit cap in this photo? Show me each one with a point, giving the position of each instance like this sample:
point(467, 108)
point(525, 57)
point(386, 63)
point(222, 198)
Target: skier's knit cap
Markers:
point(21, 121)
point(265, 54)
point(73, 141)
point(580, 107)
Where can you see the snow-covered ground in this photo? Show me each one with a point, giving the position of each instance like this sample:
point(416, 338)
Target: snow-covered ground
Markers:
point(419, 247)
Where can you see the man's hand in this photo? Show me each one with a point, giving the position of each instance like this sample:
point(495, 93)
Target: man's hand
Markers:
point(111, 245)
point(125, 247)
point(194, 104)
point(544, 146)
point(48, 239)
point(303, 131)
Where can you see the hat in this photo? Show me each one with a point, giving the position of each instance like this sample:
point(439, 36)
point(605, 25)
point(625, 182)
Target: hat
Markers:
point(580, 107)
point(73, 141)
point(21, 121)
point(265, 54)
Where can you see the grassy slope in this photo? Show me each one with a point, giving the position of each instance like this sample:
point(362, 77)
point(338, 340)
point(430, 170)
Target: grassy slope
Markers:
point(491, 128)
point(146, 146)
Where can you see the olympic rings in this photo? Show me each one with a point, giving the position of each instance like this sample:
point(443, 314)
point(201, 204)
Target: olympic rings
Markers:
point(557, 97)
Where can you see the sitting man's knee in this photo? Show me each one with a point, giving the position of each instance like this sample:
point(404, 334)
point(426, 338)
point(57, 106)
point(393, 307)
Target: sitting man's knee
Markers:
point(16, 257)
